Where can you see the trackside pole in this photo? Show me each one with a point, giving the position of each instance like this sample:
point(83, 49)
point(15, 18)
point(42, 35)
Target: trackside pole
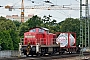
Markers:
point(20, 46)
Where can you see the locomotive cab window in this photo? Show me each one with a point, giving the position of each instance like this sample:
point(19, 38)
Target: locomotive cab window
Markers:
point(41, 30)
point(33, 30)
point(47, 32)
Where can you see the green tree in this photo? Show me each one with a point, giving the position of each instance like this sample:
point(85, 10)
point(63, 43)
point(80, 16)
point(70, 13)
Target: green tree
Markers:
point(7, 25)
point(17, 24)
point(15, 39)
point(22, 29)
point(71, 25)
point(35, 21)
point(6, 41)
point(9, 35)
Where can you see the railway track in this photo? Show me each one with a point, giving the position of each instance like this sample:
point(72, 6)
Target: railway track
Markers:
point(46, 57)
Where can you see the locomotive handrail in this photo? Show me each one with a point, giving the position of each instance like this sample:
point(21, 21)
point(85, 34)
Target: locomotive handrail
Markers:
point(53, 41)
point(42, 40)
point(21, 40)
point(32, 42)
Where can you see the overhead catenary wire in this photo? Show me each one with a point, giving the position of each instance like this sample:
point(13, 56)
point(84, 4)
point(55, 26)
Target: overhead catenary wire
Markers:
point(16, 2)
point(55, 4)
point(62, 13)
point(77, 1)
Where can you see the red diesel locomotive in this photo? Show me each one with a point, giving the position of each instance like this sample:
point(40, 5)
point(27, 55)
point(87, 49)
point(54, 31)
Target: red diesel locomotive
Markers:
point(38, 41)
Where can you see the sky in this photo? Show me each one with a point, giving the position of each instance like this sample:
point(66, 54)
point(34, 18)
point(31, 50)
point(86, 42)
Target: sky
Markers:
point(58, 15)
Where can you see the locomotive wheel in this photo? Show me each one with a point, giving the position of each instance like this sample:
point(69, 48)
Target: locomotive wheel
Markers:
point(42, 54)
point(52, 53)
point(38, 54)
point(54, 50)
point(61, 52)
point(27, 54)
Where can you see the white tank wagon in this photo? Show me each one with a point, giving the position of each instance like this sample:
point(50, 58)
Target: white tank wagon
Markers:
point(66, 40)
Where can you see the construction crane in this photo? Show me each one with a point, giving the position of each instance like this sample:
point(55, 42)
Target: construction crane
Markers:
point(22, 10)
point(51, 7)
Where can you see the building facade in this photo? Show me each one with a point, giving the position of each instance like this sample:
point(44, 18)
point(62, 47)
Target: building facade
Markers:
point(18, 18)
